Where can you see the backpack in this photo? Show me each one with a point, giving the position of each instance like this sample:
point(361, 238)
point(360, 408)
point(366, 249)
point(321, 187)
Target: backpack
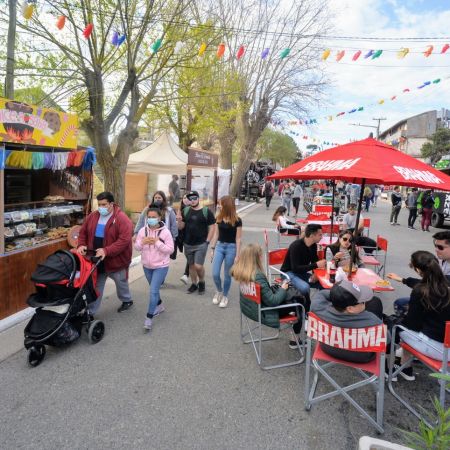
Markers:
point(268, 188)
point(187, 210)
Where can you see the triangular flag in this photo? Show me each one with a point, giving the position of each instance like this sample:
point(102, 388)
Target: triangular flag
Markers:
point(326, 54)
point(285, 53)
point(356, 55)
point(61, 22)
point(429, 51)
point(220, 50)
point(240, 52)
point(202, 49)
point(445, 48)
point(88, 30)
point(402, 53)
point(340, 55)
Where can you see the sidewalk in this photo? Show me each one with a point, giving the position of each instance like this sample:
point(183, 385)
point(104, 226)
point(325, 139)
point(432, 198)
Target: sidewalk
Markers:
point(190, 383)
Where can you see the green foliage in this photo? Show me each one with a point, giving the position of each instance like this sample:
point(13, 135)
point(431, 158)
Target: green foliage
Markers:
point(438, 146)
point(278, 147)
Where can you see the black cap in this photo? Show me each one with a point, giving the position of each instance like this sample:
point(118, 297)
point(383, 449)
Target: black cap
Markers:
point(192, 194)
point(346, 293)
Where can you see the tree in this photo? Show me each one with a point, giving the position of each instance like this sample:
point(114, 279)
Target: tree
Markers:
point(281, 69)
point(110, 85)
point(278, 147)
point(438, 147)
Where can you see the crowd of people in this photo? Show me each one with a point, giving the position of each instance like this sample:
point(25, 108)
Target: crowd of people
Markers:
point(193, 228)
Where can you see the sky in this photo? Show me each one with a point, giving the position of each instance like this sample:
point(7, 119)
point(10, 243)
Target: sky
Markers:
point(387, 25)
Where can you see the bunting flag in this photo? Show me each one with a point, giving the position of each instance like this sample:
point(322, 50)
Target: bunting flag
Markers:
point(356, 55)
point(285, 53)
point(156, 45)
point(326, 54)
point(265, 53)
point(240, 52)
point(27, 10)
point(88, 30)
point(61, 22)
point(220, 50)
point(202, 49)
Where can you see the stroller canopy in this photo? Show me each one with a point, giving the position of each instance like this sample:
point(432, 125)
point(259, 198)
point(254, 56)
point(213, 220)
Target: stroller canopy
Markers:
point(60, 266)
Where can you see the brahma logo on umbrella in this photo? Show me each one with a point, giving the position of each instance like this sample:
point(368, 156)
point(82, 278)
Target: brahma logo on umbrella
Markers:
point(337, 164)
point(418, 175)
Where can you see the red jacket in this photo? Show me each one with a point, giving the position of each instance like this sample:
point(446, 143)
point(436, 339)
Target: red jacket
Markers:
point(117, 240)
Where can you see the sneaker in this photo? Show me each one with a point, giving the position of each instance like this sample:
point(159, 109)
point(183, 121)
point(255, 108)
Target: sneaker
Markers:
point(224, 302)
point(386, 372)
point(124, 306)
point(217, 297)
point(184, 279)
point(407, 373)
point(148, 324)
point(159, 310)
point(192, 288)
point(392, 223)
point(201, 287)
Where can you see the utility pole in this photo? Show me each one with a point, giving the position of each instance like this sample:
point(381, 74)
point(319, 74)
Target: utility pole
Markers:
point(10, 53)
point(377, 127)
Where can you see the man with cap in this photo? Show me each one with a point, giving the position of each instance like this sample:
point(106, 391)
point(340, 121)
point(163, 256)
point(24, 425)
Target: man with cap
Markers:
point(348, 305)
point(197, 223)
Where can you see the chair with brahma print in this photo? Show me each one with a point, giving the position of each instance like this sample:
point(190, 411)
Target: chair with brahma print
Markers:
point(254, 334)
point(370, 340)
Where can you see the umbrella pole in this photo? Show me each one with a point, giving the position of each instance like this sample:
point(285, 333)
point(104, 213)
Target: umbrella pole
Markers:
point(332, 211)
point(356, 232)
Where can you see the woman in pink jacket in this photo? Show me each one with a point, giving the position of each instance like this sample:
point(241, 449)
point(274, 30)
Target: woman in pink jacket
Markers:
point(155, 242)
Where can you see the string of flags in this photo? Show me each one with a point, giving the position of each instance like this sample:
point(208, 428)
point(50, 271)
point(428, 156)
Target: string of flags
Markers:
point(331, 117)
point(118, 38)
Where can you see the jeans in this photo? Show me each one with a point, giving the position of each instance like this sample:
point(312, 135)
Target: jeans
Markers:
point(426, 218)
point(155, 278)
point(224, 253)
point(120, 279)
point(287, 204)
point(300, 282)
point(268, 200)
point(296, 204)
point(412, 216)
point(395, 212)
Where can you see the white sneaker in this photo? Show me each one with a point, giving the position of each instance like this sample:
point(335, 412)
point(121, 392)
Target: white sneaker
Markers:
point(217, 297)
point(224, 302)
point(184, 279)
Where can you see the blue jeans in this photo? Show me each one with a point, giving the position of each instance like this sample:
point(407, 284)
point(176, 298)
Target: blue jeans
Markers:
point(155, 278)
point(300, 282)
point(401, 305)
point(224, 253)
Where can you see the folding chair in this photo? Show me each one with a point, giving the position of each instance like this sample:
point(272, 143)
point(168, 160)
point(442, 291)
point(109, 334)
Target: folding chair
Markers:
point(366, 229)
point(434, 365)
point(252, 292)
point(323, 209)
point(369, 339)
point(378, 257)
point(290, 238)
point(274, 258)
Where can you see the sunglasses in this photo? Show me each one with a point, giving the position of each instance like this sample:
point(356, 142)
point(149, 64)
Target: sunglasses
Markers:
point(345, 239)
point(193, 197)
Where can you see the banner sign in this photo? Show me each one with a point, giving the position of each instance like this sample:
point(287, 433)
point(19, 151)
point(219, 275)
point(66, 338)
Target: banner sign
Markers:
point(369, 339)
point(251, 291)
point(32, 125)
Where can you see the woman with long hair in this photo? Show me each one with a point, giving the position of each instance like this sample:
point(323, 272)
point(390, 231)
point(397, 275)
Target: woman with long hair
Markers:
point(249, 269)
point(159, 200)
point(225, 248)
point(429, 309)
point(427, 203)
point(340, 250)
point(284, 225)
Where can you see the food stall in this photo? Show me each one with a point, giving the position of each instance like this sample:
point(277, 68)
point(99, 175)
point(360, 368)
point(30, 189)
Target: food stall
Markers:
point(202, 175)
point(45, 189)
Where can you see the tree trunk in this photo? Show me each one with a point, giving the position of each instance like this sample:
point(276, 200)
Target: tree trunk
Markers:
point(226, 140)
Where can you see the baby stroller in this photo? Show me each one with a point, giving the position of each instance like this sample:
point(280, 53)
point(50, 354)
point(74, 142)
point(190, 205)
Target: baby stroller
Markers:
point(65, 285)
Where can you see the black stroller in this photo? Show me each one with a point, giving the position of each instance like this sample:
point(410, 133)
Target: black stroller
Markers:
point(65, 285)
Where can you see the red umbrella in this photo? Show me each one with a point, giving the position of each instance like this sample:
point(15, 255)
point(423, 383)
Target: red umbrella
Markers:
point(367, 161)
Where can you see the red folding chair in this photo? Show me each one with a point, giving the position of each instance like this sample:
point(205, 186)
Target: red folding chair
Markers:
point(327, 210)
point(378, 258)
point(274, 258)
point(252, 292)
point(366, 229)
point(434, 365)
point(370, 339)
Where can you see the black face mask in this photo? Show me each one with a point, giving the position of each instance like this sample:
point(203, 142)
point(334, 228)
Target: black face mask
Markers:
point(157, 202)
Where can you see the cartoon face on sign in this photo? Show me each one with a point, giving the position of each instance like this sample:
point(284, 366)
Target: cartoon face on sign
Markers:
point(54, 122)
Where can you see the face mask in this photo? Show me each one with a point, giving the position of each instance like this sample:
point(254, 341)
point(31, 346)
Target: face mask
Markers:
point(157, 202)
point(103, 210)
point(152, 221)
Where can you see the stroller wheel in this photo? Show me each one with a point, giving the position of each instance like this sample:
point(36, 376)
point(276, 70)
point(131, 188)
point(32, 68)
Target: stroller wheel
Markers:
point(96, 331)
point(36, 354)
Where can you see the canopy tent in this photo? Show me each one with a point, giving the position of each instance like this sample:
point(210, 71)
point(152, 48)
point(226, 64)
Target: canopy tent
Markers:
point(162, 157)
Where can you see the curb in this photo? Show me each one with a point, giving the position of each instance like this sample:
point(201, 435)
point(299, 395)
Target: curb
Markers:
point(26, 313)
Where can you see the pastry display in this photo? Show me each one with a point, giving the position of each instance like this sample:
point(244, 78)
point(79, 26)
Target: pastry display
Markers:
point(383, 283)
point(53, 198)
point(347, 268)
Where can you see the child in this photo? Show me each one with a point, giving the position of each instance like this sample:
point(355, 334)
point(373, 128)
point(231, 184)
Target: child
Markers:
point(155, 242)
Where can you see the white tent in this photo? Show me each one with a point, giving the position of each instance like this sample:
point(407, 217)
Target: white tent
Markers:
point(162, 157)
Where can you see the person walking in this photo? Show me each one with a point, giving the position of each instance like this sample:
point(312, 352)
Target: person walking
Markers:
point(197, 223)
point(155, 243)
point(411, 204)
point(376, 194)
point(427, 203)
point(268, 191)
point(367, 196)
point(225, 248)
point(174, 190)
point(180, 239)
point(286, 197)
point(109, 231)
point(396, 200)
point(297, 196)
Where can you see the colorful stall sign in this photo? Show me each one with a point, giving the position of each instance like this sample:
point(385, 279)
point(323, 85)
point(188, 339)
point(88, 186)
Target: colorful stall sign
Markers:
point(32, 125)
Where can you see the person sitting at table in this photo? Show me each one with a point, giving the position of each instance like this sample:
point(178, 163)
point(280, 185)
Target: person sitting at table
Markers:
point(341, 249)
point(347, 305)
point(301, 258)
point(284, 225)
point(349, 219)
point(429, 309)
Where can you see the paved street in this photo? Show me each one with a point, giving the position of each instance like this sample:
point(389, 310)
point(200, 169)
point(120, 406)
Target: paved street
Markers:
point(190, 383)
